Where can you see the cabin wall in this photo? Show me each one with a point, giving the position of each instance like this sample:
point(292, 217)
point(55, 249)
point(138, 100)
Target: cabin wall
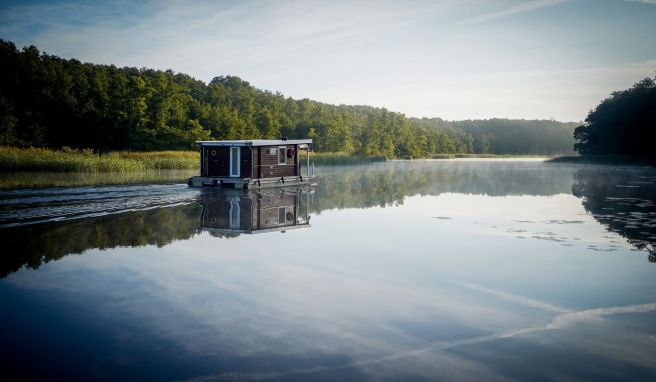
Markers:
point(216, 161)
point(256, 162)
point(245, 162)
point(266, 162)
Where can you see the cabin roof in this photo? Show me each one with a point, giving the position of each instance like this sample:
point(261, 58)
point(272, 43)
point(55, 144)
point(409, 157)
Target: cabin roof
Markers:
point(255, 142)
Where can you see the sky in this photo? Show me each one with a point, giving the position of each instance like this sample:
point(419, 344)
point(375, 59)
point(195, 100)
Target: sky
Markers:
point(453, 59)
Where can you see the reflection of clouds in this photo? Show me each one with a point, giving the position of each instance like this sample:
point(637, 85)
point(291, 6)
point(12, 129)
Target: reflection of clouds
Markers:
point(457, 365)
point(514, 298)
point(424, 367)
point(612, 346)
point(225, 304)
point(565, 318)
point(597, 314)
point(383, 307)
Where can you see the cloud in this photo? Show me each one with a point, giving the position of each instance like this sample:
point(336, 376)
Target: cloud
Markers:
point(520, 8)
point(413, 59)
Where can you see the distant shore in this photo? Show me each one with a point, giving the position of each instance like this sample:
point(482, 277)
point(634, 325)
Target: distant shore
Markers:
point(13, 159)
point(606, 159)
point(345, 159)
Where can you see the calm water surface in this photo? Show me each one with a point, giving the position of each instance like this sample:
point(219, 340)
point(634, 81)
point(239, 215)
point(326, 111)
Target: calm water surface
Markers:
point(444, 270)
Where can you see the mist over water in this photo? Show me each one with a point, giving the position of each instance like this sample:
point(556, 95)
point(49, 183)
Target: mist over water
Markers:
point(421, 270)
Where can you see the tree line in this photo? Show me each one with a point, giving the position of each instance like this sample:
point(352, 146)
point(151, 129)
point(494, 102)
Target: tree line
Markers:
point(47, 101)
point(622, 124)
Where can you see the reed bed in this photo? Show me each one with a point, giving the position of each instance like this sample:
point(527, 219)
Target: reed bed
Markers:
point(30, 179)
point(72, 160)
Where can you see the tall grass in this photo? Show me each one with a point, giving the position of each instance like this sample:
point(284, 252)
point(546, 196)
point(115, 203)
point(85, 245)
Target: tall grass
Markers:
point(30, 179)
point(71, 160)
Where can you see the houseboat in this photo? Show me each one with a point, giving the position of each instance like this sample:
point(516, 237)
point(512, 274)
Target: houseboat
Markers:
point(253, 163)
point(238, 212)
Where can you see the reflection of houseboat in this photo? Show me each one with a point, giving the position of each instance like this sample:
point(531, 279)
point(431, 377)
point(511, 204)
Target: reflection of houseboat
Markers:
point(256, 213)
point(252, 163)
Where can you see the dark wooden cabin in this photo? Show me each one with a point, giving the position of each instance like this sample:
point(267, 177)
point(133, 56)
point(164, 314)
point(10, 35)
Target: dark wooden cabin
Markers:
point(252, 163)
point(255, 213)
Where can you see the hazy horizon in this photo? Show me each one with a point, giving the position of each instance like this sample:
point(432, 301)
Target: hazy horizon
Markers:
point(456, 60)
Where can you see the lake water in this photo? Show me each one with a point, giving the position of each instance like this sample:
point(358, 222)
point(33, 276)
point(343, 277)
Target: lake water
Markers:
point(434, 270)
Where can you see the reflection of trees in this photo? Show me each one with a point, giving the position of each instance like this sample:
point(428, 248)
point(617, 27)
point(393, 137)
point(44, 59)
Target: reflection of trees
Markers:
point(338, 187)
point(624, 200)
point(389, 183)
point(621, 199)
point(32, 246)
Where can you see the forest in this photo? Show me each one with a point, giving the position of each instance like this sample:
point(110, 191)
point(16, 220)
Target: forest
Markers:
point(47, 101)
point(622, 124)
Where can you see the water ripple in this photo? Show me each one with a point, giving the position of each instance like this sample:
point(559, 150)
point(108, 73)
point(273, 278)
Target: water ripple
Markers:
point(32, 206)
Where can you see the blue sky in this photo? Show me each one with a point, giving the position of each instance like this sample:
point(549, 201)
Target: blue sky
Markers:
point(454, 59)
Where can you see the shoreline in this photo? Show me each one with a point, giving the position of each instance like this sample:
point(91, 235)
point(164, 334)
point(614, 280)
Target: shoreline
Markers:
point(611, 160)
point(12, 179)
point(67, 160)
point(13, 159)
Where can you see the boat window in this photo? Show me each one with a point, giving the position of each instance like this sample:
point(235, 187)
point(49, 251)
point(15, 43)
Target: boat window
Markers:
point(235, 157)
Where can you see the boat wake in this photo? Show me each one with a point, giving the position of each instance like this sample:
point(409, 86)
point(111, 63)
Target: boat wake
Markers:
point(34, 206)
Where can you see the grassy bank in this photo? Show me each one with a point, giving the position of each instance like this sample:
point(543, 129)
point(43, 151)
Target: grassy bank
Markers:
point(30, 179)
point(606, 159)
point(70, 160)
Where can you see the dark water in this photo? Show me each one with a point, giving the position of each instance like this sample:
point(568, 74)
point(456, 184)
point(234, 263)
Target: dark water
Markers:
point(465, 270)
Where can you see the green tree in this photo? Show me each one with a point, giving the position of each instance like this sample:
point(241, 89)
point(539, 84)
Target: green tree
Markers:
point(622, 123)
point(49, 101)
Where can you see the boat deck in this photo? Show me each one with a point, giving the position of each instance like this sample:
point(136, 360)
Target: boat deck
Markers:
point(247, 183)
